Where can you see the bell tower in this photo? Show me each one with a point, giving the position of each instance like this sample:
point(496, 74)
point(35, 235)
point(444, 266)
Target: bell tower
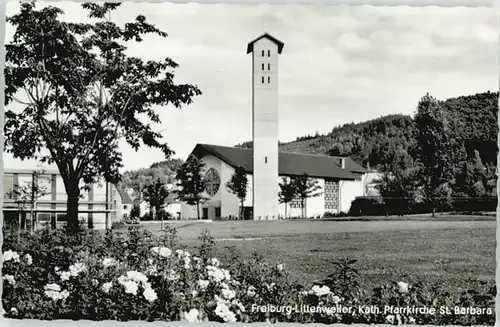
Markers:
point(265, 51)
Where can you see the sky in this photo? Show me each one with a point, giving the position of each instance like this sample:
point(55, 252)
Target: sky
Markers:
point(340, 64)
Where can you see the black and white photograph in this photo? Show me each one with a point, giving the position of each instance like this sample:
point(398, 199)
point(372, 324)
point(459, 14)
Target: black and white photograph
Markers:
point(249, 163)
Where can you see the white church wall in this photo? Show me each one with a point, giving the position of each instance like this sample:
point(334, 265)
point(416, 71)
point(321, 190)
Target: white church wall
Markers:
point(189, 211)
point(230, 202)
point(348, 191)
point(314, 206)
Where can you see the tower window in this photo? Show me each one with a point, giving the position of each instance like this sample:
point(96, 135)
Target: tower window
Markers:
point(262, 66)
point(269, 53)
point(262, 53)
point(268, 66)
point(262, 79)
point(269, 79)
point(265, 159)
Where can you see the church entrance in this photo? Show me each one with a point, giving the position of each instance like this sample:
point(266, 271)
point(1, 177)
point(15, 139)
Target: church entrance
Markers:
point(205, 213)
point(248, 213)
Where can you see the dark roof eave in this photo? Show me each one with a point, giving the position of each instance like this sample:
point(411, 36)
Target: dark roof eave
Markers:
point(270, 37)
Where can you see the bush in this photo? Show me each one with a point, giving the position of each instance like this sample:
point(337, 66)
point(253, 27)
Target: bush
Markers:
point(335, 214)
point(52, 274)
point(136, 211)
point(377, 206)
point(147, 217)
point(118, 224)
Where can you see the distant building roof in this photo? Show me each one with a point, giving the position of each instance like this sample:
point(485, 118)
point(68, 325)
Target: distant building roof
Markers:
point(125, 197)
point(290, 164)
point(267, 36)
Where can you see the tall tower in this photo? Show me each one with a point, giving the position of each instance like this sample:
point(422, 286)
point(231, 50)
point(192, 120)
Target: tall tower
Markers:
point(265, 51)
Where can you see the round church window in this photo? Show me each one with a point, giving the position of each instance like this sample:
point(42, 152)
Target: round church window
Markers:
point(212, 179)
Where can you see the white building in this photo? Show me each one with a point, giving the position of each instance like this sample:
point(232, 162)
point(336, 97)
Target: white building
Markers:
point(340, 179)
point(127, 202)
point(171, 206)
point(100, 206)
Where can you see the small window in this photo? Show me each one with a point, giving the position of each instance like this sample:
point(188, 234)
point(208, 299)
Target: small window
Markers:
point(269, 53)
point(268, 66)
point(269, 79)
point(262, 66)
point(61, 217)
point(262, 79)
point(262, 53)
point(265, 159)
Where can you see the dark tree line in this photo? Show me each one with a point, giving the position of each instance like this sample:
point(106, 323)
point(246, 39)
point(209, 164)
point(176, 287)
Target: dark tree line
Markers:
point(374, 143)
point(453, 154)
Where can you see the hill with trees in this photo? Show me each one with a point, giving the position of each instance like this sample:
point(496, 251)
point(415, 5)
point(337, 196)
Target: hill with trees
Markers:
point(164, 171)
point(374, 142)
point(394, 145)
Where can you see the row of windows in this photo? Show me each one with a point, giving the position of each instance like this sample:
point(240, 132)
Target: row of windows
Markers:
point(268, 53)
point(268, 79)
point(268, 66)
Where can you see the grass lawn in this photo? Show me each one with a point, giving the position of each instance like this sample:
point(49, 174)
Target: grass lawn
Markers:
point(385, 250)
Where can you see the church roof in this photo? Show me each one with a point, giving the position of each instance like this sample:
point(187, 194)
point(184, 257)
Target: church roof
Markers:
point(267, 36)
point(290, 164)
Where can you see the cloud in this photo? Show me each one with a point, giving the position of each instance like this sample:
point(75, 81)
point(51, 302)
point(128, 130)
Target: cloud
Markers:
point(339, 64)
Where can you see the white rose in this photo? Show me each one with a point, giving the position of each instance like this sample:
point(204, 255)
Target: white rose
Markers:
point(108, 262)
point(165, 252)
point(403, 287)
point(29, 259)
point(150, 294)
point(65, 275)
point(10, 279)
point(10, 255)
point(203, 283)
point(106, 287)
point(191, 316)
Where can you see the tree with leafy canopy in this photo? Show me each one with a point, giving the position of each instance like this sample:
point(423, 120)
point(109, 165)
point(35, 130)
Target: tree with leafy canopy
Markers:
point(287, 192)
point(80, 94)
point(238, 186)
point(398, 183)
point(434, 151)
point(191, 183)
point(155, 194)
point(305, 187)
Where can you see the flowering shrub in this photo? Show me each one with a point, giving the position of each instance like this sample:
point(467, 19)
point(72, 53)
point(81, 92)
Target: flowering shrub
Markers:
point(135, 276)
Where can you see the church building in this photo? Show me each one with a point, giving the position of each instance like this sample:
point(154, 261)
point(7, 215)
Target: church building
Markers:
point(340, 179)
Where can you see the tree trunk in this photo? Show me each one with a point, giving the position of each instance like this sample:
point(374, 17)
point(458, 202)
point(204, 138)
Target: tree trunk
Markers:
point(433, 211)
point(285, 209)
point(198, 209)
point(23, 220)
point(72, 209)
point(157, 212)
point(241, 210)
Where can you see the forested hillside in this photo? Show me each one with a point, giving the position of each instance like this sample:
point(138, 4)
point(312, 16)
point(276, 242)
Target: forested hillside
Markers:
point(373, 143)
point(165, 170)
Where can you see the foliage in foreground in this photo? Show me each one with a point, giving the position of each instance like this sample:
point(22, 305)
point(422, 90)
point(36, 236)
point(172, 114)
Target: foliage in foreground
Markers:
point(138, 276)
